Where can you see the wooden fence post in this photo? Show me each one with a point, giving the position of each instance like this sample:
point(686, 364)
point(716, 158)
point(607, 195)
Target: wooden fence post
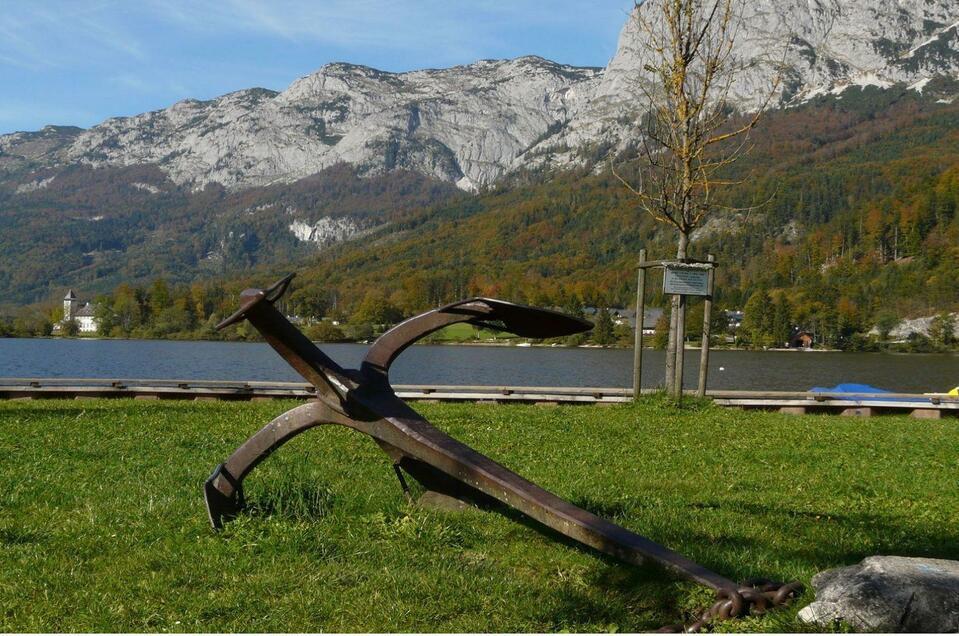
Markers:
point(680, 348)
point(640, 310)
point(707, 311)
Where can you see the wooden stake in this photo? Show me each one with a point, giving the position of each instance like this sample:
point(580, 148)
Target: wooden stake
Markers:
point(707, 310)
point(671, 346)
point(680, 348)
point(640, 311)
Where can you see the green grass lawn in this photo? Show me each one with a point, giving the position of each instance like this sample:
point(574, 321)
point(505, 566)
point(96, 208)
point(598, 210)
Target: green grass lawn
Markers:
point(462, 332)
point(102, 524)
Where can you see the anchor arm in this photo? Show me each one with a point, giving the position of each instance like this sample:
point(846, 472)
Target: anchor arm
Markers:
point(223, 490)
point(489, 313)
point(316, 367)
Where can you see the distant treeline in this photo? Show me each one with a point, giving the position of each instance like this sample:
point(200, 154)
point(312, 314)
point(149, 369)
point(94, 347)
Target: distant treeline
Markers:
point(193, 311)
point(161, 310)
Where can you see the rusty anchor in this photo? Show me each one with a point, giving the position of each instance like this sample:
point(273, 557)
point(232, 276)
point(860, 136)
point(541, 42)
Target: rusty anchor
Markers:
point(364, 400)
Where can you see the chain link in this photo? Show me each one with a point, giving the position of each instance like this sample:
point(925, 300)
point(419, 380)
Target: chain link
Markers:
point(754, 597)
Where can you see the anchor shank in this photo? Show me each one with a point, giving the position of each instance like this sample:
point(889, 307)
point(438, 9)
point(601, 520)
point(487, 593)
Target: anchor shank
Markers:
point(315, 366)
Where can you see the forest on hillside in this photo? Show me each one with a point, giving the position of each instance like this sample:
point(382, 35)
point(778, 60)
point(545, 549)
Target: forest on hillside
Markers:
point(859, 221)
point(850, 220)
point(96, 228)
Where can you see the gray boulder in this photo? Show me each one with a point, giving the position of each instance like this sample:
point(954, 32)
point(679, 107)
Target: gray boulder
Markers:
point(889, 594)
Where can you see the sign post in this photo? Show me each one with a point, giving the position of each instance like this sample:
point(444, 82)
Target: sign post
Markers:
point(684, 279)
point(680, 278)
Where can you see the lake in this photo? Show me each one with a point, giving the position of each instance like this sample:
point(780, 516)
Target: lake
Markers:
point(477, 365)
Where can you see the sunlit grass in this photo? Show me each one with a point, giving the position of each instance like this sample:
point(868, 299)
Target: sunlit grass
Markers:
point(462, 332)
point(102, 526)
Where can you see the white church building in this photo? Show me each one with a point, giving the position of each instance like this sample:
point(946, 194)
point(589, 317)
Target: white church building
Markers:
point(82, 314)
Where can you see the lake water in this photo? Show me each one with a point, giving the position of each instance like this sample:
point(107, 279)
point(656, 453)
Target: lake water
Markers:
point(477, 365)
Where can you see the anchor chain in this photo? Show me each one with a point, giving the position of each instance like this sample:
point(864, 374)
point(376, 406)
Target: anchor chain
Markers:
point(754, 597)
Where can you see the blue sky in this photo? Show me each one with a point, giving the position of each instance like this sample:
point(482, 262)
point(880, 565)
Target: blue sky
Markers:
point(78, 62)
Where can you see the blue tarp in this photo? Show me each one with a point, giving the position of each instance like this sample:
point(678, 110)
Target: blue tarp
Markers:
point(860, 388)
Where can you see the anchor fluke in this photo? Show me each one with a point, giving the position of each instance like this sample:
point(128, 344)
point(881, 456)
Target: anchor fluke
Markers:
point(250, 298)
point(219, 505)
point(528, 322)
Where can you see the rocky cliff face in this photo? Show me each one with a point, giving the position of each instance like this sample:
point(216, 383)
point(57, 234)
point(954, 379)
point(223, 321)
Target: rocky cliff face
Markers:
point(822, 45)
point(472, 124)
point(465, 124)
point(819, 47)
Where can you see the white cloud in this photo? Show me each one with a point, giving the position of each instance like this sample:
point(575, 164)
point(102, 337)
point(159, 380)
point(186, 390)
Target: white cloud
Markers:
point(349, 24)
point(116, 57)
point(63, 33)
point(59, 35)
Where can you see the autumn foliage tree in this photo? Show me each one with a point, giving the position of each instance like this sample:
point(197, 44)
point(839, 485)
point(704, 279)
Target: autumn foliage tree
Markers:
point(690, 131)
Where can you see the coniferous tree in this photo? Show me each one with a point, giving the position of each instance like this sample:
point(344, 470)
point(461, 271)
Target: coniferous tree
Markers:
point(757, 318)
point(781, 321)
point(886, 321)
point(603, 331)
point(942, 330)
point(661, 334)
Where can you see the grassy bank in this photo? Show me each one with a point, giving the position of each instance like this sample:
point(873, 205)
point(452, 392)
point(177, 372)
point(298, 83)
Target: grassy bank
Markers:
point(102, 526)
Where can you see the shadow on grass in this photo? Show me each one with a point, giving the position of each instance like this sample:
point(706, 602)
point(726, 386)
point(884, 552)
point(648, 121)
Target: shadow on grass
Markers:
point(649, 572)
point(12, 536)
point(611, 511)
point(939, 542)
point(623, 598)
point(883, 534)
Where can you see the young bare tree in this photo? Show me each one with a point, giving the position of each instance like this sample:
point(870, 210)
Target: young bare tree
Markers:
point(690, 132)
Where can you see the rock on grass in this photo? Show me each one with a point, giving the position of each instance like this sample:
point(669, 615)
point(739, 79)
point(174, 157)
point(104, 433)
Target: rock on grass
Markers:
point(889, 594)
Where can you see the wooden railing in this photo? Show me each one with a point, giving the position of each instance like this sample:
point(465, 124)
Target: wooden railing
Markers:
point(794, 402)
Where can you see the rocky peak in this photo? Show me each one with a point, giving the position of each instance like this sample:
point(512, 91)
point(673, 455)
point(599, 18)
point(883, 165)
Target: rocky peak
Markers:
point(472, 124)
point(819, 46)
point(21, 149)
point(465, 124)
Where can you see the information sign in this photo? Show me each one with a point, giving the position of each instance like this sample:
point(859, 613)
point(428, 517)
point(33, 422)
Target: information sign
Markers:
point(686, 280)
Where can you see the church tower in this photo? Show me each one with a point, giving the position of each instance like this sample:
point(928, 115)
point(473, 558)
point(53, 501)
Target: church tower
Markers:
point(69, 302)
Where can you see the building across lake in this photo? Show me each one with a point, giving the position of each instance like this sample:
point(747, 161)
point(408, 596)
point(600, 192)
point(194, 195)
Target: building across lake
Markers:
point(620, 316)
point(81, 314)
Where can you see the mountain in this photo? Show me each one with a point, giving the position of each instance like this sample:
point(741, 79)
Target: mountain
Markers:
point(258, 177)
point(92, 229)
point(472, 124)
point(814, 48)
point(464, 124)
point(861, 218)
point(818, 46)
